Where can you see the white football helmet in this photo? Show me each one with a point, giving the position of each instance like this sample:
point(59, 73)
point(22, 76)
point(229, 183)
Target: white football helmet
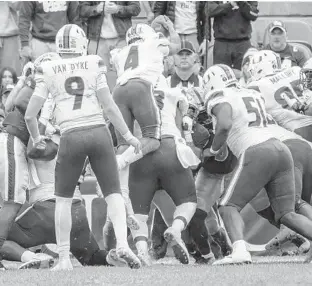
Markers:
point(218, 77)
point(71, 39)
point(140, 32)
point(264, 63)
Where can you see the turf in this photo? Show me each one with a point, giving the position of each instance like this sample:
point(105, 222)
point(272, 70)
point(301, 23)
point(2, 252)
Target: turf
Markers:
point(265, 271)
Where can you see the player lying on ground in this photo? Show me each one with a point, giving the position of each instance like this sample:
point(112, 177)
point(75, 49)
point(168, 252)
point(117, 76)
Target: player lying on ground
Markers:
point(36, 224)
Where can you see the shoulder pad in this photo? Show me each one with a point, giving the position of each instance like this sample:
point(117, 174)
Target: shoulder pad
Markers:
point(39, 70)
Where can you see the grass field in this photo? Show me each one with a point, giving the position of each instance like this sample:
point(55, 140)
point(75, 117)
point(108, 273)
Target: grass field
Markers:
point(265, 271)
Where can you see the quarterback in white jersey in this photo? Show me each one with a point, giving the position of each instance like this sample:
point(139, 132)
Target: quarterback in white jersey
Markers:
point(78, 86)
point(280, 90)
point(263, 161)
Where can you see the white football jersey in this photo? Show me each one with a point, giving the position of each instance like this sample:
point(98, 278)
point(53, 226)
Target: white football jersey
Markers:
point(173, 98)
point(280, 92)
point(249, 126)
point(142, 60)
point(73, 84)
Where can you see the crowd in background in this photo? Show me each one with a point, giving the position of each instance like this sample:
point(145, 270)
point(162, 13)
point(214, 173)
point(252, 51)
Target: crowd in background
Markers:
point(28, 29)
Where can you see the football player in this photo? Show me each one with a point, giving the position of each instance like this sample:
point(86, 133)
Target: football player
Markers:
point(139, 65)
point(170, 171)
point(281, 92)
point(36, 225)
point(14, 175)
point(77, 84)
point(240, 120)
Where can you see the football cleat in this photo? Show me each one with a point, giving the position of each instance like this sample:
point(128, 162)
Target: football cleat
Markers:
point(235, 258)
point(145, 259)
point(114, 260)
point(127, 255)
point(175, 241)
point(41, 261)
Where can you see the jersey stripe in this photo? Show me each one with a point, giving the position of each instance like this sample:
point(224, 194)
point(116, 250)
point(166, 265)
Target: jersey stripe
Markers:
point(226, 70)
point(66, 36)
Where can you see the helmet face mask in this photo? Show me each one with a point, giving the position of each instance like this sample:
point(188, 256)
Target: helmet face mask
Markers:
point(71, 39)
point(306, 78)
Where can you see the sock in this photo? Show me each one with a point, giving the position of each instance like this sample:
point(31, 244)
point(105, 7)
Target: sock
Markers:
point(27, 256)
point(140, 236)
point(117, 214)
point(128, 157)
point(63, 225)
point(124, 180)
point(183, 215)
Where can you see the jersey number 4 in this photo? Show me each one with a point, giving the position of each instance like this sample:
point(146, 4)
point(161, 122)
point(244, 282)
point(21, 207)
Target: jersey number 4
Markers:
point(257, 109)
point(132, 60)
point(75, 86)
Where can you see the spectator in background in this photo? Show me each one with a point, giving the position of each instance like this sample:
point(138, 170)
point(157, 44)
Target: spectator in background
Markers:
point(8, 79)
point(189, 20)
point(148, 7)
point(46, 17)
point(290, 55)
point(232, 30)
point(185, 74)
point(9, 41)
point(108, 23)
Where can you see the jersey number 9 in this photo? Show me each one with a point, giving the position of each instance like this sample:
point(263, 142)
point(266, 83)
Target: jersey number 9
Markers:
point(75, 86)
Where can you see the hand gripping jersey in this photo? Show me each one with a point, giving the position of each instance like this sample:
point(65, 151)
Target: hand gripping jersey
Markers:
point(280, 92)
point(73, 84)
point(142, 60)
point(249, 126)
point(172, 98)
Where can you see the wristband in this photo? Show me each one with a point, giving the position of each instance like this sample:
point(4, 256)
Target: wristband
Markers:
point(128, 136)
point(213, 151)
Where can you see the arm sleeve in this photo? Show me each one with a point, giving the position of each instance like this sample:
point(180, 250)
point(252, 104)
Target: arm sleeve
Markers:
point(41, 88)
point(101, 81)
point(26, 13)
point(248, 9)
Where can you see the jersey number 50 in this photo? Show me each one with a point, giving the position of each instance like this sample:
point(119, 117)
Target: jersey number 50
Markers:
point(75, 86)
point(258, 111)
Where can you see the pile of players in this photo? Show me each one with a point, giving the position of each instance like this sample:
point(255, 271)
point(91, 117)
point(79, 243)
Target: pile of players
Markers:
point(254, 150)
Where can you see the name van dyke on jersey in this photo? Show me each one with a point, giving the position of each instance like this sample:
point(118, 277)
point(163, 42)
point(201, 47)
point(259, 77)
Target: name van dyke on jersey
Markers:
point(70, 67)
